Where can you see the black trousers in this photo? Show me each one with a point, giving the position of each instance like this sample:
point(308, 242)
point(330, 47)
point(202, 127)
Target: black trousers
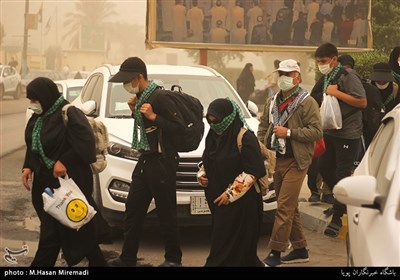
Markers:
point(337, 163)
point(154, 177)
point(75, 245)
point(312, 175)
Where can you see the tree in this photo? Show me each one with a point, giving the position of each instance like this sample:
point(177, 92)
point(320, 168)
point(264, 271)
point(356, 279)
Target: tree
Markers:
point(128, 45)
point(385, 24)
point(93, 13)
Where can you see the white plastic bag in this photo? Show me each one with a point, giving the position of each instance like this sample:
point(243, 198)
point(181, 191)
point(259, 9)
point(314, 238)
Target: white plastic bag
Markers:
point(68, 205)
point(331, 115)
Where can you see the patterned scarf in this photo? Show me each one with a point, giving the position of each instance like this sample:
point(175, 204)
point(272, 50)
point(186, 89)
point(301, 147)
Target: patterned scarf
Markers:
point(279, 119)
point(37, 128)
point(228, 120)
point(140, 142)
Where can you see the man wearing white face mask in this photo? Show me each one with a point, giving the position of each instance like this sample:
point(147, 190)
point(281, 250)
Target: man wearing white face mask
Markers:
point(382, 78)
point(155, 173)
point(341, 144)
point(290, 124)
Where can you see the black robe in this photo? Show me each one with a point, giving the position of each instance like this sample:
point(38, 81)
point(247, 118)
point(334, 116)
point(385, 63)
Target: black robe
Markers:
point(74, 146)
point(236, 226)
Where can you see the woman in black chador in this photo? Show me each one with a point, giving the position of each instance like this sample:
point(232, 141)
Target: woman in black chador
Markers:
point(228, 175)
point(55, 150)
point(245, 84)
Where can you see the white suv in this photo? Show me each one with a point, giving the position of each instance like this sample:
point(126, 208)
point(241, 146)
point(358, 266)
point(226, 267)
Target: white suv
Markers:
point(112, 185)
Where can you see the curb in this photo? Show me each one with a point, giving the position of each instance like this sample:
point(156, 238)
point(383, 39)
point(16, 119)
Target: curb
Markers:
point(313, 217)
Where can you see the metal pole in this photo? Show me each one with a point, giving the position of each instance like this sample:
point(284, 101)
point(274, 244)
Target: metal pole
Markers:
point(24, 58)
point(203, 57)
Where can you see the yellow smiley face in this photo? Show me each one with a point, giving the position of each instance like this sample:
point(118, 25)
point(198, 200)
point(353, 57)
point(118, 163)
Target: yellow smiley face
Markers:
point(77, 210)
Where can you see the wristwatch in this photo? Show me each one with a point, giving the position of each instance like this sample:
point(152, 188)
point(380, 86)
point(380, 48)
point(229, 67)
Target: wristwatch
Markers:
point(288, 133)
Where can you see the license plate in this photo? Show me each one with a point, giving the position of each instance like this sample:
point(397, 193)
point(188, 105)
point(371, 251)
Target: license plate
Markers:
point(199, 206)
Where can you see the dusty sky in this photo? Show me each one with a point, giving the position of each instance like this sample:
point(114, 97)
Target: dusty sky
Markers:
point(132, 11)
point(12, 12)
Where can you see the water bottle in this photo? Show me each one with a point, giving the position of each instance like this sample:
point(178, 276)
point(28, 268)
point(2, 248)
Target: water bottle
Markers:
point(48, 191)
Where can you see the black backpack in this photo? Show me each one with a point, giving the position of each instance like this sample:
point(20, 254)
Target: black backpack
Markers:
point(372, 113)
point(191, 117)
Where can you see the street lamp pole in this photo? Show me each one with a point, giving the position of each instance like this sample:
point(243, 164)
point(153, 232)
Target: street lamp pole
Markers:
point(24, 58)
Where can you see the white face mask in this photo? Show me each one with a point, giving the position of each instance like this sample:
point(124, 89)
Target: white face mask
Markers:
point(285, 83)
point(398, 62)
point(325, 69)
point(133, 90)
point(36, 108)
point(384, 86)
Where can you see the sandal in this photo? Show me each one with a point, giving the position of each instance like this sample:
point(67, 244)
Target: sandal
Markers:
point(332, 230)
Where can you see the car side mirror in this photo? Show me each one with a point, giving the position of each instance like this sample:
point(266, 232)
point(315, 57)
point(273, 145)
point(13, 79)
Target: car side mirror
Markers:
point(252, 108)
point(359, 191)
point(89, 107)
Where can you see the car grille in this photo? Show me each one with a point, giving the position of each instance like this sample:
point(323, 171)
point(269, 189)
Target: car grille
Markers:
point(186, 175)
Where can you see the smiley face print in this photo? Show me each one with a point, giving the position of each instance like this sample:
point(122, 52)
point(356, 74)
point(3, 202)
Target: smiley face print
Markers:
point(77, 210)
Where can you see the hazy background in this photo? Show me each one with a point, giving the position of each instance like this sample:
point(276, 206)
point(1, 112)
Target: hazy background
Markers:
point(130, 17)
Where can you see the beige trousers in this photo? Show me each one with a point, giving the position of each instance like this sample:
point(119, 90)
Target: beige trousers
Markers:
point(288, 180)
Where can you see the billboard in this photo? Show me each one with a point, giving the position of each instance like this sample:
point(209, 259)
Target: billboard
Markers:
point(259, 25)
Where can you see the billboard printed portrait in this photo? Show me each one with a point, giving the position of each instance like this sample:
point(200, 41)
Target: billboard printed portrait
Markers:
point(259, 24)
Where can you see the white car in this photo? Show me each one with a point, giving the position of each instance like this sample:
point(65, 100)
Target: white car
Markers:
point(10, 82)
point(372, 196)
point(70, 88)
point(110, 99)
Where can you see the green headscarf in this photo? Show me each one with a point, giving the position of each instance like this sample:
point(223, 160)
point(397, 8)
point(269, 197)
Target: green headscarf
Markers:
point(37, 128)
point(221, 126)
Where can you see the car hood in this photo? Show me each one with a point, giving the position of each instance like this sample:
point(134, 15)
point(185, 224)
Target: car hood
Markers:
point(121, 131)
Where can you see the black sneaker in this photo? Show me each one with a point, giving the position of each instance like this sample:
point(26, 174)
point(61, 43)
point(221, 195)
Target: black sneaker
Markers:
point(170, 264)
point(314, 198)
point(296, 256)
point(273, 259)
point(117, 262)
point(328, 198)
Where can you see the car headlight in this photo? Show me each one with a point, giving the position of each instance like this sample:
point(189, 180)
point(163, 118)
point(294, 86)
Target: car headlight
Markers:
point(119, 190)
point(122, 151)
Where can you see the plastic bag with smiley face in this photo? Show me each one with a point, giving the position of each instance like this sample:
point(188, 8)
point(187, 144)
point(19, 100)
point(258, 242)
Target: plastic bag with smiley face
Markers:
point(68, 205)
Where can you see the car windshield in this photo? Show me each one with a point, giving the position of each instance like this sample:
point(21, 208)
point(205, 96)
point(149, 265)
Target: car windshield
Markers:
point(206, 89)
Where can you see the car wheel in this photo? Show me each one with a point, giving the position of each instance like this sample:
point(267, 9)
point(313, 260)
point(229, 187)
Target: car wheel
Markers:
point(17, 93)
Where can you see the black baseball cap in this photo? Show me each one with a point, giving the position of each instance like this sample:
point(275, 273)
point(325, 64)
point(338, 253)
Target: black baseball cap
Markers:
point(129, 69)
point(381, 73)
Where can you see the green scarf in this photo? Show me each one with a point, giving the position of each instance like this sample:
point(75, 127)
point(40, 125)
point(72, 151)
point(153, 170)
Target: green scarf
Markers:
point(37, 128)
point(228, 120)
point(331, 76)
point(142, 143)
